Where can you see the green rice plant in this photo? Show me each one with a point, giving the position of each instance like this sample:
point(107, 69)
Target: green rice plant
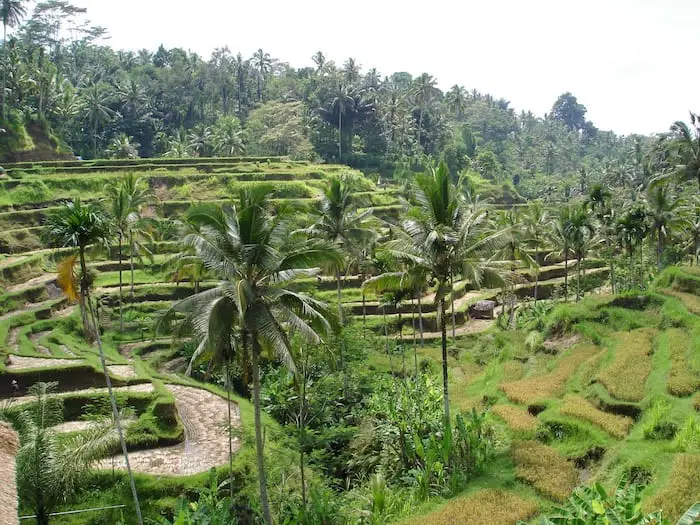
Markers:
point(688, 438)
point(656, 424)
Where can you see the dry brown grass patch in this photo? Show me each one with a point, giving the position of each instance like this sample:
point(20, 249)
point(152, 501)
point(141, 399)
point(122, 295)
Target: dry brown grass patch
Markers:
point(614, 425)
point(552, 384)
point(495, 507)
point(682, 379)
point(627, 374)
point(682, 489)
point(545, 469)
point(690, 301)
point(516, 418)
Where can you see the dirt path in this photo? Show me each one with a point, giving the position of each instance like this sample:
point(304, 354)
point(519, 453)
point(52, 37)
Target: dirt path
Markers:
point(203, 416)
point(18, 362)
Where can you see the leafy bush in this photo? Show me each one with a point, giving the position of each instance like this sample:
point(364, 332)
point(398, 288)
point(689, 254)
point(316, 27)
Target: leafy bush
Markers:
point(594, 506)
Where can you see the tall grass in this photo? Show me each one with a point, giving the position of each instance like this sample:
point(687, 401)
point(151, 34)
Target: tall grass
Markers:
point(626, 375)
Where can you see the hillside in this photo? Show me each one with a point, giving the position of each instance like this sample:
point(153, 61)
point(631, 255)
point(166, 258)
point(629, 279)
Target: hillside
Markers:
point(565, 393)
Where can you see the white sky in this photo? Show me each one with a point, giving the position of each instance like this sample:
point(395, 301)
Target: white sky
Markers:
point(633, 63)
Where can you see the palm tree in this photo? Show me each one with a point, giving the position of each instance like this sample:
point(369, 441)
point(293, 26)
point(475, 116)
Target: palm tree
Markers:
point(444, 237)
point(340, 103)
point(631, 229)
point(12, 12)
point(351, 71)
point(263, 63)
point(123, 147)
point(51, 467)
point(537, 224)
point(211, 319)
point(126, 199)
point(423, 90)
point(240, 67)
point(96, 104)
point(664, 214)
point(599, 202)
point(688, 146)
point(245, 248)
point(456, 99)
point(581, 234)
point(561, 239)
point(227, 138)
point(78, 226)
point(320, 60)
point(341, 223)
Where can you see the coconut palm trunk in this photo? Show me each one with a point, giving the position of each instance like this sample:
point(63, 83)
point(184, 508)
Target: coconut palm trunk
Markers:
point(259, 444)
point(131, 262)
point(340, 133)
point(112, 398)
point(364, 314)
point(420, 320)
point(452, 307)
point(445, 377)
point(4, 72)
point(566, 276)
point(85, 299)
point(121, 285)
point(659, 249)
point(578, 277)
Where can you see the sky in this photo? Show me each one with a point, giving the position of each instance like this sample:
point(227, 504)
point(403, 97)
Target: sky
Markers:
point(632, 63)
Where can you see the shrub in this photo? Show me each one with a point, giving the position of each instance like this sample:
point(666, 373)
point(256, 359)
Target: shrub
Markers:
point(655, 424)
point(594, 506)
point(544, 468)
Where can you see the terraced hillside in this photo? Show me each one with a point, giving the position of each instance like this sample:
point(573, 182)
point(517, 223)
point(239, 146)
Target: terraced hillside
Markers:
point(612, 388)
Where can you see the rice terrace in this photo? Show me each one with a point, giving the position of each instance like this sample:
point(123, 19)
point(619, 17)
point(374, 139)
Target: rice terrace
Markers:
point(237, 292)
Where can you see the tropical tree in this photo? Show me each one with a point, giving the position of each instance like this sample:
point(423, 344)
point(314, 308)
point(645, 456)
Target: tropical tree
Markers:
point(77, 225)
point(262, 63)
point(126, 198)
point(631, 229)
point(123, 147)
point(227, 137)
point(423, 91)
point(97, 111)
point(340, 222)
point(537, 227)
point(581, 233)
point(340, 104)
point(665, 216)
point(211, 320)
point(320, 60)
point(456, 99)
point(51, 468)
point(600, 203)
point(687, 142)
point(561, 240)
point(244, 248)
point(11, 12)
point(444, 237)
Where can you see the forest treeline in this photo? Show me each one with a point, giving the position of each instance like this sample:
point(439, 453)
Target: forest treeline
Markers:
point(102, 102)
